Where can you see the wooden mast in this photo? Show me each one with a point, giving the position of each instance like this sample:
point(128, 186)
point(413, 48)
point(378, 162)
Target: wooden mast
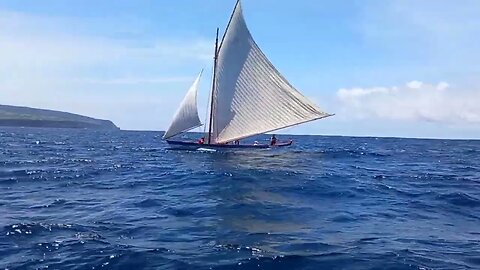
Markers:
point(213, 89)
point(215, 69)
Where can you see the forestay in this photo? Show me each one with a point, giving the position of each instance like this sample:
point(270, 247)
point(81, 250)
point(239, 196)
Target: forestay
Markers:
point(186, 117)
point(251, 96)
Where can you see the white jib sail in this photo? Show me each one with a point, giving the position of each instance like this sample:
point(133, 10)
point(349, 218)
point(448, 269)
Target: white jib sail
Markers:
point(251, 96)
point(186, 117)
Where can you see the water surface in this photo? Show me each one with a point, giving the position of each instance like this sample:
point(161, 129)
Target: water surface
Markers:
point(77, 199)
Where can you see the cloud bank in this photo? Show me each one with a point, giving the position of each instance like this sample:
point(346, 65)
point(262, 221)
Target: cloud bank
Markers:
point(415, 101)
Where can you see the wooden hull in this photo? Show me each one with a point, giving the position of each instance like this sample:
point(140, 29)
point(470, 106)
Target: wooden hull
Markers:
point(190, 145)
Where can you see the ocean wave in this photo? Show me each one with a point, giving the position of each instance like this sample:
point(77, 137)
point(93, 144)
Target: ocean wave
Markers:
point(123, 200)
point(460, 199)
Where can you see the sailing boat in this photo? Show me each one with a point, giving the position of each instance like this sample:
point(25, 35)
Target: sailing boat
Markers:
point(249, 96)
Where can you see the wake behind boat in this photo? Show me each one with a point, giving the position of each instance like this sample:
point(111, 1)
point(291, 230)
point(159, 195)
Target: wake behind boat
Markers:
point(249, 96)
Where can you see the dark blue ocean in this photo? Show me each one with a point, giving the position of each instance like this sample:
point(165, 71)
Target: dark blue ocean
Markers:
point(77, 199)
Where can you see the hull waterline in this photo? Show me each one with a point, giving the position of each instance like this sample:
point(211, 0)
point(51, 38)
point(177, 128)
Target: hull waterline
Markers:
point(191, 145)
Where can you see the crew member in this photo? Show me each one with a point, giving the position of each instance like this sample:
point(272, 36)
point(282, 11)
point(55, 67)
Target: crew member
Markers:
point(273, 140)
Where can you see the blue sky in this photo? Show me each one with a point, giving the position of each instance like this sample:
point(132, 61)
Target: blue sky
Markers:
point(385, 68)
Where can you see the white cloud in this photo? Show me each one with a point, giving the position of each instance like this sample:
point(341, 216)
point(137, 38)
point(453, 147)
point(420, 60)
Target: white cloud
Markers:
point(442, 86)
point(414, 84)
point(349, 94)
point(416, 101)
point(54, 52)
point(134, 80)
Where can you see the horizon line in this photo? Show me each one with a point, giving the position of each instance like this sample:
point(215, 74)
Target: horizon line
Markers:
point(335, 135)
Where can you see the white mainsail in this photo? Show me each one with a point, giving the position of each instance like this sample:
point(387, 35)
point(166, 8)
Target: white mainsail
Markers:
point(251, 97)
point(186, 117)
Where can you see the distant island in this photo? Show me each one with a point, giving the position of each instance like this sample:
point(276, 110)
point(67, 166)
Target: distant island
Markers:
point(17, 116)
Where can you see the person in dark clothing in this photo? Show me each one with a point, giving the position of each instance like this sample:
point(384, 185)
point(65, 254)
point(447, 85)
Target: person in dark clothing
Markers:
point(273, 140)
point(201, 140)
